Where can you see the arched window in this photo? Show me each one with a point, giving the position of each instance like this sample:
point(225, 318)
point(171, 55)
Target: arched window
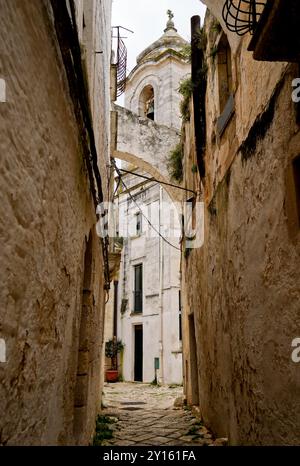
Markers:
point(224, 71)
point(146, 103)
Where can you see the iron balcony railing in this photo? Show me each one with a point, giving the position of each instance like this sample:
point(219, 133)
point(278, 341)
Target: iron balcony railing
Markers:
point(242, 16)
point(121, 60)
point(121, 67)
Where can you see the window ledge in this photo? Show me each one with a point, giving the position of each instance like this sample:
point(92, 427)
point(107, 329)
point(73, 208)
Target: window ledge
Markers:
point(226, 115)
point(177, 351)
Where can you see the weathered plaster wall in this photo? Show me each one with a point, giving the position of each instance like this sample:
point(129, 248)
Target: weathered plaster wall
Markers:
point(253, 84)
point(52, 332)
point(146, 145)
point(246, 282)
point(94, 29)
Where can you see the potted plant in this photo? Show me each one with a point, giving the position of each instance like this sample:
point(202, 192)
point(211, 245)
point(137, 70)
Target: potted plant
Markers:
point(112, 348)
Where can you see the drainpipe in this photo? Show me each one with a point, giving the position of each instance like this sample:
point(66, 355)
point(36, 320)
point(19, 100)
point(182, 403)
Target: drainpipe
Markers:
point(199, 92)
point(161, 270)
point(115, 323)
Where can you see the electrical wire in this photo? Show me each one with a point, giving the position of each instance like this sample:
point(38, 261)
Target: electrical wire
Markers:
point(145, 217)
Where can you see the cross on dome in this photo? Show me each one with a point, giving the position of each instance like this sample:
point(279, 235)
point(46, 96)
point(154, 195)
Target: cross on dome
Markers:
point(170, 23)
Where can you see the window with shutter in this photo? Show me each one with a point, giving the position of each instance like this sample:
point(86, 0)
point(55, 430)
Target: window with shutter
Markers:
point(138, 288)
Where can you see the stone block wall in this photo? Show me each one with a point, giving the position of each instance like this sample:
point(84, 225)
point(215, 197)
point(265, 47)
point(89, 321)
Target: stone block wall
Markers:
point(51, 290)
point(242, 312)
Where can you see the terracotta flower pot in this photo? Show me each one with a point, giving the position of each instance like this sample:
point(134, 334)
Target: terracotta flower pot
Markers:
point(112, 375)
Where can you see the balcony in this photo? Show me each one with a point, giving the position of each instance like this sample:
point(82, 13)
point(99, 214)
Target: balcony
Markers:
point(272, 23)
point(242, 16)
point(276, 36)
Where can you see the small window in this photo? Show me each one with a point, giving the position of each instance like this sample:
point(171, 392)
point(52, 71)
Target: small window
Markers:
point(138, 289)
point(296, 172)
point(146, 103)
point(224, 72)
point(138, 223)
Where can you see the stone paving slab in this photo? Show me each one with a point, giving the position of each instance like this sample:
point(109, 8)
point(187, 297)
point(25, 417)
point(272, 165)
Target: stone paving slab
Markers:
point(157, 422)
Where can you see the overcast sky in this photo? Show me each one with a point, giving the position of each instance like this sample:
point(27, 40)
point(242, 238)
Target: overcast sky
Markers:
point(148, 18)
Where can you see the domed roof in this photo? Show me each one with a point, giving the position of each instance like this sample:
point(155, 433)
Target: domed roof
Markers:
point(169, 40)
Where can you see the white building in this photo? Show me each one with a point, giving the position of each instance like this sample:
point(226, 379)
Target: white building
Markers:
point(156, 78)
point(149, 317)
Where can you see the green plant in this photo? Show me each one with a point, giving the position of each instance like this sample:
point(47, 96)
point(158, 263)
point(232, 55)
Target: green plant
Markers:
point(194, 168)
point(154, 382)
point(174, 163)
point(202, 40)
point(103, 430)
point(199, 41)
point(112, 348)
point(213, 52)
point(186, 88)
point(187, 408)
point(193, 430)
point(198, 423)
point(186, 52)
point(216, 26)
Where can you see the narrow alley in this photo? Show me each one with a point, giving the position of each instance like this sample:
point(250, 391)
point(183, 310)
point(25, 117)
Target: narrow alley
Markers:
point(149, 224)
point(152, 415)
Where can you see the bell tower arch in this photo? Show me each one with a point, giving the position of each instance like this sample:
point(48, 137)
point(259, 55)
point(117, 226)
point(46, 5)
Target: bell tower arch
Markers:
point(152, 86)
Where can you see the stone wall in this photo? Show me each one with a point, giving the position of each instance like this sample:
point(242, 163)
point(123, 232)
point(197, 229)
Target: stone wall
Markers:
point(145, 144)
point(51, 291)
point(242, 312)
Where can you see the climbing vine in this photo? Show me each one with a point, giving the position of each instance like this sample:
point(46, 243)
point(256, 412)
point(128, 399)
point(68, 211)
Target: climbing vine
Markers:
point(175, 166)
point(186, 88)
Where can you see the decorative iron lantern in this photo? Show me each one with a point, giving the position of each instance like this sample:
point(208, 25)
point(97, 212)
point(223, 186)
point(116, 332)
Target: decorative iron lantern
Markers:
point(242, 16)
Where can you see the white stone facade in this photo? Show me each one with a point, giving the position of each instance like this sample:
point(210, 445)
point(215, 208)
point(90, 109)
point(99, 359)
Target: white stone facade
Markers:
point(160, 316)
point(161, 67)
point(157, 76)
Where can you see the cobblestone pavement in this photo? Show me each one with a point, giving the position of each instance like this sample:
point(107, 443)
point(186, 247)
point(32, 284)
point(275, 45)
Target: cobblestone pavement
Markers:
point(146, 416)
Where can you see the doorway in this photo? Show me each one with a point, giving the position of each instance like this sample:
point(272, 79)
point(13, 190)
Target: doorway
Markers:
point(138, 353)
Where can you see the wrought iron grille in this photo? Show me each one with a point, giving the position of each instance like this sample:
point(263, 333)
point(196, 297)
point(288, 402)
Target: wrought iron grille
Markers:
point(242, 16)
